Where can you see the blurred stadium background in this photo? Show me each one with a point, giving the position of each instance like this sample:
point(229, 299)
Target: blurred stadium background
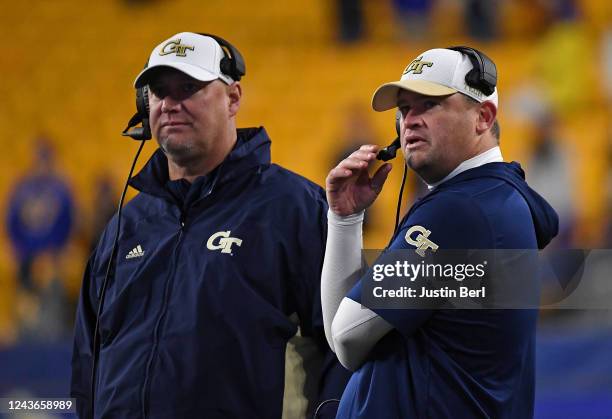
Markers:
point(312, 66)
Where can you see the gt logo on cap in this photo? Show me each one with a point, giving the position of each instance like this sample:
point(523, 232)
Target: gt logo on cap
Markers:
point(417, 65)
point(175, 47)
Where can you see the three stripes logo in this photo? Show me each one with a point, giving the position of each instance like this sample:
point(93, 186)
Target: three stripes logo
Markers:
point(135, 253)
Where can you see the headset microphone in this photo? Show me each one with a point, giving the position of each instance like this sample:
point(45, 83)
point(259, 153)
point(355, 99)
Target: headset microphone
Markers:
point(141, 133)
point(390, 151)
point(141, 116)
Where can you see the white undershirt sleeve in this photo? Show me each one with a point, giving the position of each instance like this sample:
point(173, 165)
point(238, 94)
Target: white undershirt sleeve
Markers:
point(342, 265)
point(351, 330)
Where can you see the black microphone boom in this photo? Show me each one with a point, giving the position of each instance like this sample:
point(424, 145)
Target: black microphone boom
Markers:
point(390, 151)
point(141, 133)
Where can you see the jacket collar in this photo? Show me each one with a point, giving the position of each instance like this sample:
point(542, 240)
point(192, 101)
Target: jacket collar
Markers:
point(490, 156)
point(252, 149)
point(545, 219)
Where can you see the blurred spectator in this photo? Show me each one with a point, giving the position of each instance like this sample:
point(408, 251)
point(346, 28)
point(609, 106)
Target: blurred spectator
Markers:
point(481, 19)
point(549, 172)
point(413, 18)
point(40, 213)
point(39, 223)
point(350, 20)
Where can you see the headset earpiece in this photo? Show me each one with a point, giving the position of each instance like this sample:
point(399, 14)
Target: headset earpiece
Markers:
point(232, 64)
point(226, 66)
point(484, 74)
point(140, 117)
point(398, 122)
point(142, 101)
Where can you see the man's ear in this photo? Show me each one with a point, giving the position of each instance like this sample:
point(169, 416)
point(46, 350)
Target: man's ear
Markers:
point(486, 117)
point(234, 92)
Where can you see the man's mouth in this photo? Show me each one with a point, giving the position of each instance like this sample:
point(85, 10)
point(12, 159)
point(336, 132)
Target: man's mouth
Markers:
point(414, 142)
point(173, 124)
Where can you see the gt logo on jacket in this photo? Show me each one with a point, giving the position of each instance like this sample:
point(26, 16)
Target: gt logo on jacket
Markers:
point(224, 243)
point(421, 242)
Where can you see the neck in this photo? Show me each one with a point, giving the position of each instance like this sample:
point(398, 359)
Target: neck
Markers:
point(189, 173)
point(490, 155)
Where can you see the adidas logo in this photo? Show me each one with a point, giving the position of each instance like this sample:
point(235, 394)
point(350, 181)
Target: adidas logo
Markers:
point(135, 253)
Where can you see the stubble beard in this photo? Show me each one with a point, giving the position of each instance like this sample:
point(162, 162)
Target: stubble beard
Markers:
point(414, 164)
point(179, 152)
point(421, 166)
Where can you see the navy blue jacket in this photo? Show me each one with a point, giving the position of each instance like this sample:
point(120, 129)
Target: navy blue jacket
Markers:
point(459, 363)
point(196, 318)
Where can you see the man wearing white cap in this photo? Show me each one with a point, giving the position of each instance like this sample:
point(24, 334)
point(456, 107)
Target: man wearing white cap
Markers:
point(435, 363)
point(218, 259)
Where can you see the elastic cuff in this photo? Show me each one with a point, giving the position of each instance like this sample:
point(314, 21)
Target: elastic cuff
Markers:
point(344, 220)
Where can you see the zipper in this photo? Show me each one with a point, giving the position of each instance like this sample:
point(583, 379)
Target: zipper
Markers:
point(145, 393)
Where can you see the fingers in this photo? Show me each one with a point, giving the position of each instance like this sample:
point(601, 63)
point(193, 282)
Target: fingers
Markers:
point(380, 177)
point(353, 163)
point(338, 173)
point(349, 187)
point(367, 152)
point(358, 161)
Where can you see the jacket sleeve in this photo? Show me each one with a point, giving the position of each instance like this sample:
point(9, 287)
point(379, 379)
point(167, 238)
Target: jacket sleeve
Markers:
point(311, 236)
point(80, 385)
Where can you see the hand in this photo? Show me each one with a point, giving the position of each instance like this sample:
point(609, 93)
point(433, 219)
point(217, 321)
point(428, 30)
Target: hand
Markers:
point(349, 186)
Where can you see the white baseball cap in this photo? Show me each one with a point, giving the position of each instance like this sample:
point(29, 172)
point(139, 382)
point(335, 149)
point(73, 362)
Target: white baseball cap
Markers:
point(436, 72)
point(196, 55)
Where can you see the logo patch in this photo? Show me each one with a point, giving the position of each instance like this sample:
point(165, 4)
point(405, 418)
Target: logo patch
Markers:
point(135, 253)
point(222, 241)
point(416, 66)
point(420, 241)
point(175, 47)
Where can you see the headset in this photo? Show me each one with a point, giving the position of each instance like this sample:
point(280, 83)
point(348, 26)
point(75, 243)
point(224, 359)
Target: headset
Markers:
point(483, 77)
point(232, 65)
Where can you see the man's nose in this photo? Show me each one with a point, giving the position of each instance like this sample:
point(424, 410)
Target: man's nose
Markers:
point(170, 104)
point(412, 120)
